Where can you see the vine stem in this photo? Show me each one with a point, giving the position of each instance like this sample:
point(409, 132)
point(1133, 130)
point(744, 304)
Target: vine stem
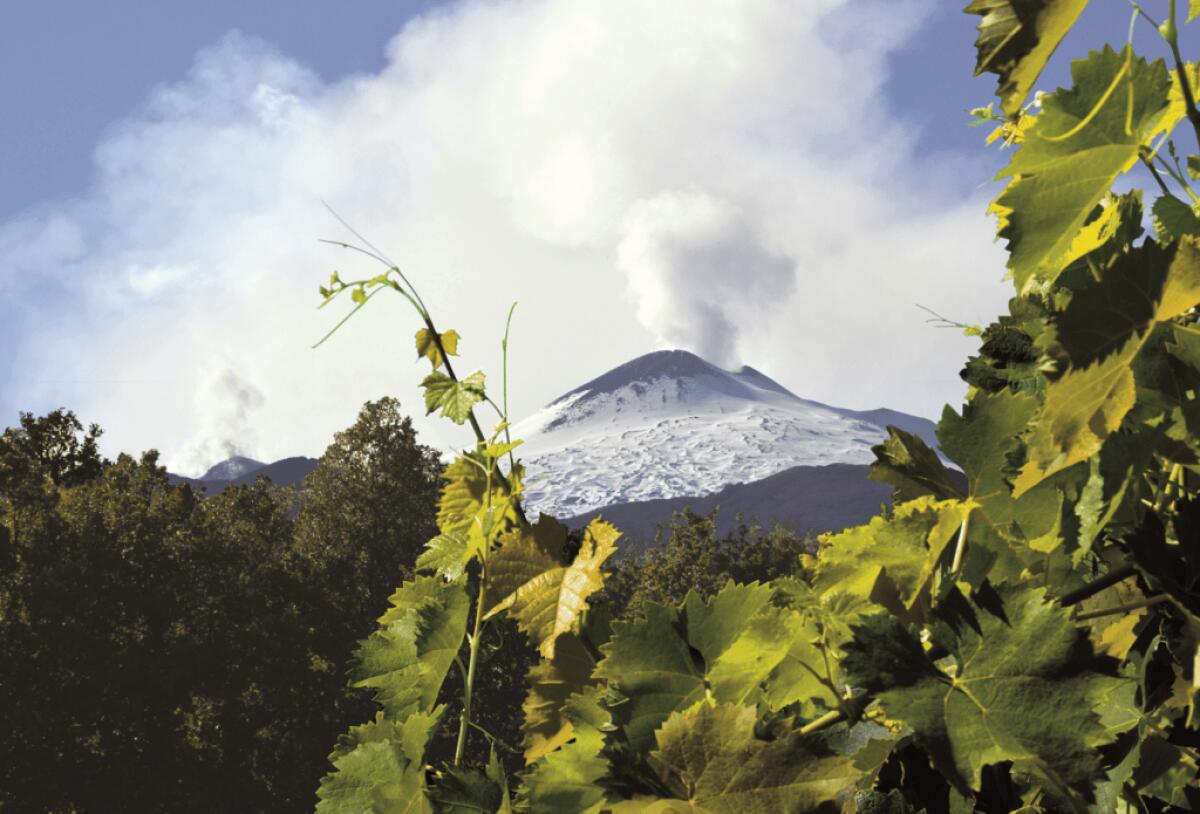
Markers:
point(1157, 177)
point(1124, 608)
point(469, 683)
point(1114, 576)
point(469, 680)
point(1185, 84)
point(962, 543)
point(824, 722)
point(419, 305)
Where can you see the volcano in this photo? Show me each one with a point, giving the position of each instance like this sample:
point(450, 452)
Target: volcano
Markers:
point(670, 424)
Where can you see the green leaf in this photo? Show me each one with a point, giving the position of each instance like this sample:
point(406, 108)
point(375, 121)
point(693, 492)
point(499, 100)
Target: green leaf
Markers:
point(1141, 287)
point(709, 760)
point(375, 778)
point(498, 451)
point(495, 773)
point(378, 767)
point(982, 441)
point(466, 791)
point(983, 437)
point(911, 468)
point(406, 660)
point(892, 559)
point(1071, 156)
point(1114, 317)
point(551, 683)
point(428, 348)
point(454, 398)
point(447, 555)
point(544, 594)
point(1024, 688)
point(726, 647)
point(464, 507)
point(1173, 219)
point(568, 779)
point(1016, 39)
point(1193, 10)
point(1082, 409)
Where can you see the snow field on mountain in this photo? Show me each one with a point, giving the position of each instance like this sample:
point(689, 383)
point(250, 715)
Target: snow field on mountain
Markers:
point(670, 424)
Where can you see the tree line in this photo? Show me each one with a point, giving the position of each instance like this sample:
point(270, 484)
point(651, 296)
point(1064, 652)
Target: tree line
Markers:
point(165, 651)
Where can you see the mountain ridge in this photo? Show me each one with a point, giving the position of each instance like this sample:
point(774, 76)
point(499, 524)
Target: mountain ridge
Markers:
point(670, 424)
point(284, 472)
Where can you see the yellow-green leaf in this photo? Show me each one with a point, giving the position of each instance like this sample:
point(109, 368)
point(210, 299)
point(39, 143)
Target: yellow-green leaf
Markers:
point(551, 683)
point(1086, 136)
point(1115, 317)
point(547, 595)
point(891, 559)
point(454, 398)
point(1016, 39)
point(709, 760)
point(427, 347)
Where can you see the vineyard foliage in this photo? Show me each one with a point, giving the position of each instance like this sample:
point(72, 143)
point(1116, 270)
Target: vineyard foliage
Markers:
point(1024, 638)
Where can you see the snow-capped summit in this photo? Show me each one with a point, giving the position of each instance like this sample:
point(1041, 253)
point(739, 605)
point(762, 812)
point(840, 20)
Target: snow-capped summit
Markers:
point(670, 424)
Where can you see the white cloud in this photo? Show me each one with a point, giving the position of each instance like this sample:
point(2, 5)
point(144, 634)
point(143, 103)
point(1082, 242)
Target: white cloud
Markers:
point(718, 175)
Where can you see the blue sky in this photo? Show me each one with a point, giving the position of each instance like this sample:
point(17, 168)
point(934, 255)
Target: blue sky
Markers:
point(758, 188)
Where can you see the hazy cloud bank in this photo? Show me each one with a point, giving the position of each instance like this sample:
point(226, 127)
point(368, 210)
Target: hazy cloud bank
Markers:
point(718, 176)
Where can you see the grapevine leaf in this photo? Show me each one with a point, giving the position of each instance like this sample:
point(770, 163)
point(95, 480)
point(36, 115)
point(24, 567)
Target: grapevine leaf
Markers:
point(462, 496)
point(911, 468)
point(800, 677)
point(568, 779)
point(1115, 635)
point(891, 559)
point(710, 761)
point(1146, 285)
point(551, 683)
point(812, 662)
point(495, 773)
point(466, 791)
point(498, 451)
point(743, 639)
point(1008, 358)
point(1016, 39)
point(379, 768)
point(406, 660)
point(1072, 155)
point(1081, 410)
point(375, 778)
point(651, 664)
point(428, 348)
point(982, 438)
point(525, 553)
point(544, 594)
point(1024, 689)
point(1114, 216)
point(982, 441)
point(1116, 316)
point(454, 398)
point(1173, 219)
point(447, 555)
point(727, 646)
point(1163, 772)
